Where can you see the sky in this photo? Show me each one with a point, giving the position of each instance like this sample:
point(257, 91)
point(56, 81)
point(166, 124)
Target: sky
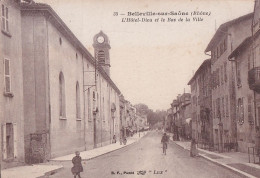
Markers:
point(151, 62)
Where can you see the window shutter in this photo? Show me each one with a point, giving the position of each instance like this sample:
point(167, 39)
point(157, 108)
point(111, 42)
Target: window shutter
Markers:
point(15, 139)
point(242, 109)
point(4, 152)
point(7, 75)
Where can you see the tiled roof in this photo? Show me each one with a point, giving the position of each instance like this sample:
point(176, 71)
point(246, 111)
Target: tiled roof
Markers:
point(223, 28)
point(206, 62)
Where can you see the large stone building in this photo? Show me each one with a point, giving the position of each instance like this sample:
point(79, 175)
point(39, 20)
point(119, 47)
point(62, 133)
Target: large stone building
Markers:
point(254, 71)
point(247, 61)
point(202, 123)
point(228, 36)
point(11, 84)
point(245, 113)
point(57, 98)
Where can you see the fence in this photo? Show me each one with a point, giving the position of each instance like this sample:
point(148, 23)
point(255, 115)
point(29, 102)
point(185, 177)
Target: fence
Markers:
point(253, 153)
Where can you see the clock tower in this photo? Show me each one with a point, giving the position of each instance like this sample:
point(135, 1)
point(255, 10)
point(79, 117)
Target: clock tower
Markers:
point(101, 47)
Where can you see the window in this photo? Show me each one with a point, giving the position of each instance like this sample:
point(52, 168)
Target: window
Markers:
point(225, 44)
point(77, 101)
point(218, 114)
point(221, 49)
point(249, 110)
point(213, 80)
point(217, 77)
point(94, 101)
point(213, 110)
point(101, 57)
point(227, 106)
point(248, 62)
point(223, 107)
point(225, 71)
point(62, 102)
point(5, 16)
point(103, 109)
point(89, 105)
point(238, 74)
point(240, 111)
point(222, 73)
point(60, 40)
point(9, 140)
point(7, 76)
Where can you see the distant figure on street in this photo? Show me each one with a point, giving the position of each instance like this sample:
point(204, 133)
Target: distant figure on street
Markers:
point(164, 141)
point(124, 140)
point(114, 139)
point(77, 166)
point(193, 148)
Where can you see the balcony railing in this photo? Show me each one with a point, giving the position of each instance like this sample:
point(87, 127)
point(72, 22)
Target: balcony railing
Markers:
point(254, 79)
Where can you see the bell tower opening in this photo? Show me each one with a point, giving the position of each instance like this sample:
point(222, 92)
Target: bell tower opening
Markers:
point(101, 46)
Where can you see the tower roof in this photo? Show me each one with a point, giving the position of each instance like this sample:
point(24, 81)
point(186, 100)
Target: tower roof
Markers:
point(106, 42)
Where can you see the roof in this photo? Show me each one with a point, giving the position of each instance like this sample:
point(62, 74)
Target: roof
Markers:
point(241, 47)
point(224, 27)
point(244, 45)
point(205, 63)
point(63, 28)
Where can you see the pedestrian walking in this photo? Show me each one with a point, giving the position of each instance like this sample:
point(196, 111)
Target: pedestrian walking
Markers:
point(124, 141)
point(114, 139)
point(193, 148)
point(77, 166)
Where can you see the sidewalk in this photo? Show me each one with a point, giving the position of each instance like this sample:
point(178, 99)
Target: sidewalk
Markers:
point(90, 154)
point(41, 170)
point(33, 171)
point(234, 161)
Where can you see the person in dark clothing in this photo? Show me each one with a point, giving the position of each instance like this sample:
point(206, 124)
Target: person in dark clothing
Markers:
point(77, 166)
point(114, 139)
point(193, 149)
point(164, 141)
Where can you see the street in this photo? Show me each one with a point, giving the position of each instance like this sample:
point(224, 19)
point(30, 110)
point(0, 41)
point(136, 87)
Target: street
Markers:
point(145, 159)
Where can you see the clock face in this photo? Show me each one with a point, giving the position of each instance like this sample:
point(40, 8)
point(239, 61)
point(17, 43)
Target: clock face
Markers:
point(100, 39)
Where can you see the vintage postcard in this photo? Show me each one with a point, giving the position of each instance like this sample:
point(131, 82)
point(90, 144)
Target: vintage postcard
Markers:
point(127, 88)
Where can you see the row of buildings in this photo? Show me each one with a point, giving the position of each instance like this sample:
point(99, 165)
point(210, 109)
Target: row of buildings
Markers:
point(56, 97)
point(178, 118)
point(225, 89)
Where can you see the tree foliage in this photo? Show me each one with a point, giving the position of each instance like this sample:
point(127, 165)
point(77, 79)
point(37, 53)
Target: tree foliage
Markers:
point(152, 117)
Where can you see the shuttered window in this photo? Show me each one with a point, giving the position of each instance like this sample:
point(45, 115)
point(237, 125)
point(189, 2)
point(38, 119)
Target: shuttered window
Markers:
point(5, 18)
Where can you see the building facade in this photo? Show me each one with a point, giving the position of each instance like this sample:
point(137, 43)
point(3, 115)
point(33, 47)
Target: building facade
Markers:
point(179, 116)
point(57, 98)
point(11, 84)
point(202, 104)
point(195, 108)
point(228, 36)
point(254, 71)
point(185, 115)
point(245, 114)
point(246, 60)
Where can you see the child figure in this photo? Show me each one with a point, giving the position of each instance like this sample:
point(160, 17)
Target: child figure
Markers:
point(77, 166)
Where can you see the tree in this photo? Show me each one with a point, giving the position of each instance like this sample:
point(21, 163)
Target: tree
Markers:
point(152, 117)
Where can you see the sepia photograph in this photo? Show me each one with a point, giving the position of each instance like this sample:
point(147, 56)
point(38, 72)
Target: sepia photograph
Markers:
point(130, 89)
